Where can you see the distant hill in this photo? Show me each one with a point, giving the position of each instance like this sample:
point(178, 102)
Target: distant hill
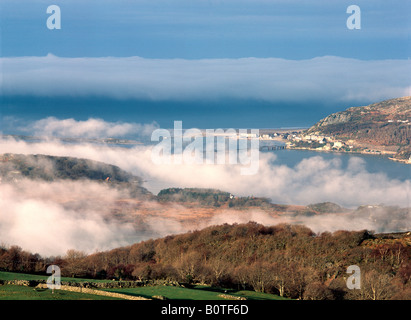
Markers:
point(200, 195)
point(327, 207)
point(210, 197)
point(385, 124)
point(14, 167)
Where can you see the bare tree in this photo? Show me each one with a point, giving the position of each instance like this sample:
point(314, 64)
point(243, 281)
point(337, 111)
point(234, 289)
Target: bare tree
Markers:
point(189, 266)
point(260, 276)
point(279, 278)
point(374, 286)
point(240, 275)
point(318, 291)
point(75, 263)
point(142, 271)
point(219, 268)
point(377, 286)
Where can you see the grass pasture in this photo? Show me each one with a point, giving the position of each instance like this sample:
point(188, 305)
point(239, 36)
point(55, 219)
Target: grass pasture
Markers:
point(14, 292)
point(195, 293)
point(26, 276)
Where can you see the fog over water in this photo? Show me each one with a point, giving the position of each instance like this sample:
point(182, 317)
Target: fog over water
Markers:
point(33, 215)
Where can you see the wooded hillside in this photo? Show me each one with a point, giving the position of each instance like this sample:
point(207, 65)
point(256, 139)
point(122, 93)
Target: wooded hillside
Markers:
point(289, 260)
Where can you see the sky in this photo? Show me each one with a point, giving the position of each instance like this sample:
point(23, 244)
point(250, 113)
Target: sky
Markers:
point(215, 63)
point(207, 29)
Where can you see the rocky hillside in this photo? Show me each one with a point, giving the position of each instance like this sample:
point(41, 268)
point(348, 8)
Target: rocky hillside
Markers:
point(385, 124)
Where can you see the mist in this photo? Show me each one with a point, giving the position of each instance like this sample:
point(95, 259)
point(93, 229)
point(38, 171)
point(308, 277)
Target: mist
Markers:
point(312, 180)
point(52, 217)
point(380, 220)
point(38, 217)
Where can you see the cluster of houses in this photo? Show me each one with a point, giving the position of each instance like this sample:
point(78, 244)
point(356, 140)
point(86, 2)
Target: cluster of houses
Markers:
point(294, 138)
point(327, 142)
point(276, 135)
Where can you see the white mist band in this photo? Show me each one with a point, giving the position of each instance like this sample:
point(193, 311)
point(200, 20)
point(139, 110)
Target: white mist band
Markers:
point(208, 148)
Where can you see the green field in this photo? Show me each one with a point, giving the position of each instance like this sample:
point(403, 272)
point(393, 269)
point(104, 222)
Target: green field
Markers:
point(195, 293)
point(13, 292)
point(26, 276)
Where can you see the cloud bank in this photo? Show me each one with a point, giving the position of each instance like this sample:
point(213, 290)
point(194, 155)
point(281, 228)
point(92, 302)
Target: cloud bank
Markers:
point(50, 218)
point(38, 217)
point(268, 79)
point(312, 180)
point(91, 128)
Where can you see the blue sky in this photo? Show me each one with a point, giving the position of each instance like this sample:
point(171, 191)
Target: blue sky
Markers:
point(226, 62)
point(207, 29)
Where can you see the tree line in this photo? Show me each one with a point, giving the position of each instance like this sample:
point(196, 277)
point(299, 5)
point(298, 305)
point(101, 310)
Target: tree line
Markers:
point(287, 260)
point(210, 197)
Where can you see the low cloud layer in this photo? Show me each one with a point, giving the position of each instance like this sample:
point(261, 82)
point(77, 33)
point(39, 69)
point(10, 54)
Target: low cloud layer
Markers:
point(91, 128)
point(38, 217)
point(50, 218)
point(320, 223)
point(312, 180)
point(270, 79)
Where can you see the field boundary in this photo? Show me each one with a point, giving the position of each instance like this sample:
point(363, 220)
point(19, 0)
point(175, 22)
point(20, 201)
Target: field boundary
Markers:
point(78, 289)
point(94, 291)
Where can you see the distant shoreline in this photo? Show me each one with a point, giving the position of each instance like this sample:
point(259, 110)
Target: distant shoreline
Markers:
point(385, 154)
point(400, 160)
point(113, 141)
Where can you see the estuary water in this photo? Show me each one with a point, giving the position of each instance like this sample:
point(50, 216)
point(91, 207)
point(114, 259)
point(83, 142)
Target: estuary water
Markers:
point(372, 163)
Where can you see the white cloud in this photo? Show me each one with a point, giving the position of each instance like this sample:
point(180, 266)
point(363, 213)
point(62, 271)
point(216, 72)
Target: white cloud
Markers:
point(270, 79)
point(37, 216)
point(91, 128)
point(50, 218)
point(311, 180)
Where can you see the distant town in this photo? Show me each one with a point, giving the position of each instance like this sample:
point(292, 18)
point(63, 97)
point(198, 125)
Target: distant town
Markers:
point(299, 139)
